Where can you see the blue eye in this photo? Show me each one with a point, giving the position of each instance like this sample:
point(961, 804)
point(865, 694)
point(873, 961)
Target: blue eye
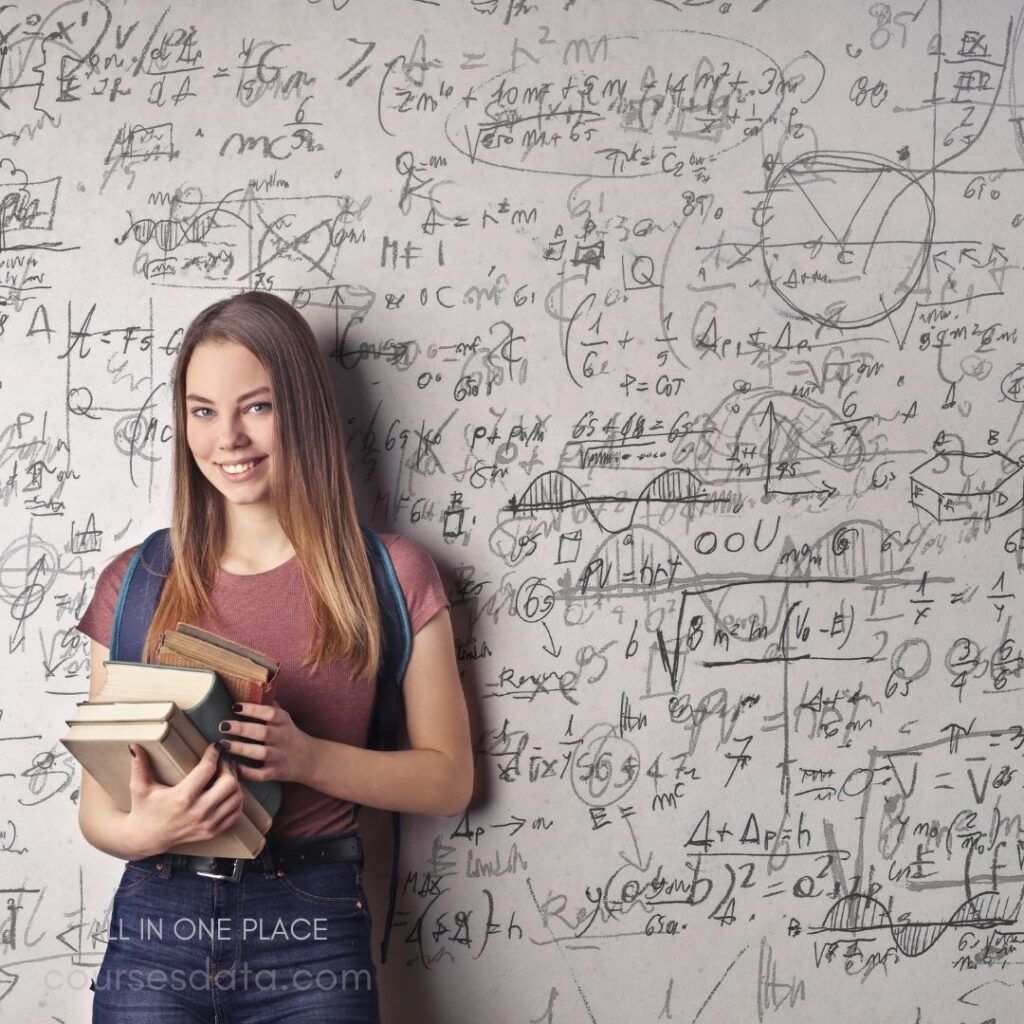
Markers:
point(206, 408)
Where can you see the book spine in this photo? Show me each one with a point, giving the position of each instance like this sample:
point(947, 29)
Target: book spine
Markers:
point(194, 738)
point(243, 839)
point(207, 715)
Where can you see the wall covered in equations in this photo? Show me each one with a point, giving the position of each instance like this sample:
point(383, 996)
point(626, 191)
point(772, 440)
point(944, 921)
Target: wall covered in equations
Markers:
point(683, 335)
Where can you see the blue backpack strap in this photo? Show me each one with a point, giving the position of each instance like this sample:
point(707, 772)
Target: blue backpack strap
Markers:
point(386, 722)
point(385, 725)
point(139, 594)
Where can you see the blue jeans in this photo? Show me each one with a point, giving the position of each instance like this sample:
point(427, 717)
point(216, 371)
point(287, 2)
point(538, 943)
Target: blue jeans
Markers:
point(291, 946)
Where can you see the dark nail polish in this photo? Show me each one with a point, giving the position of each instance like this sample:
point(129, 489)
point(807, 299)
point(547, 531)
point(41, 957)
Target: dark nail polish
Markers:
point(225, 727)
point(236, 707)
point(131, 751)
point(223, 744)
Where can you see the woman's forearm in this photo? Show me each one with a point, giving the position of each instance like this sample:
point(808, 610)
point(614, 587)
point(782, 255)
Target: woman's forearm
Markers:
point(112, 834)
point(415, 781)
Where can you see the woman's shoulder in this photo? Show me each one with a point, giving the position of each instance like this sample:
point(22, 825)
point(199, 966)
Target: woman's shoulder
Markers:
point(115, 568)
point(418, 577)
point(399, 545)
point(410, 558)
point(97, 621)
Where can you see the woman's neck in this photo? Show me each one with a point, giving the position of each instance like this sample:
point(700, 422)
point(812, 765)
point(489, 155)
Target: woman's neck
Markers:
point(255, 543)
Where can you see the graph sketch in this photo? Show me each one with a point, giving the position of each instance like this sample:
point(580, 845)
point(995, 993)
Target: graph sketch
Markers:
point(683, 334)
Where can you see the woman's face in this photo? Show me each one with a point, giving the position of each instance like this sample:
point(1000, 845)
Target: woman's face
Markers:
point(230, 420)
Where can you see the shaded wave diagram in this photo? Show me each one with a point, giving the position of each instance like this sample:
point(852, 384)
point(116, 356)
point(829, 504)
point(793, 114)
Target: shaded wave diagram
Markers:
point(557, 491)
point(854, 549)
point(860, 913)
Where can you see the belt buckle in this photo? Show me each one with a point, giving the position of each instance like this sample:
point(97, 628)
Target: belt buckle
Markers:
point(233, 876)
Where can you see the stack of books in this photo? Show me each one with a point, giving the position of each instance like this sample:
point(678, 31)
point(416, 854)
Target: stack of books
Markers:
point(172, 709)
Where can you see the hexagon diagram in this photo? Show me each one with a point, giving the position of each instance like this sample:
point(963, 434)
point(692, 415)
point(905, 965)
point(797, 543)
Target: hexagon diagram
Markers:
point(967, 485)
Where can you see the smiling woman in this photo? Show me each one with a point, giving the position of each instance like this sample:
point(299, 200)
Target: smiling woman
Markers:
point(268, 551)
point(231, 438)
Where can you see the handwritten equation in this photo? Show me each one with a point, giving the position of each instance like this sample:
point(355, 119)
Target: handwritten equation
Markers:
point(683, 334)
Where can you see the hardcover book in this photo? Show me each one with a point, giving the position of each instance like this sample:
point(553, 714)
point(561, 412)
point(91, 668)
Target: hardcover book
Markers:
point(172, 708)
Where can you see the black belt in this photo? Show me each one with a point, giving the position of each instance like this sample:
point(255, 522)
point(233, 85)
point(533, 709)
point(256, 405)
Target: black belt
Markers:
point(275, 855)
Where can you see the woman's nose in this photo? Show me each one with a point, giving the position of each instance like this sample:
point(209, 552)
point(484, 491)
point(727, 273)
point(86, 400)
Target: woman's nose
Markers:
point(232, 435)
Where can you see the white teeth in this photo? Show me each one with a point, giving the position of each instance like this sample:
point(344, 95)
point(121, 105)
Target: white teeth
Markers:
point(238, 467)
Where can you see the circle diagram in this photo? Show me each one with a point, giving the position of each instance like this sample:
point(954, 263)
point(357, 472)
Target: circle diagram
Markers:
point(845, 237)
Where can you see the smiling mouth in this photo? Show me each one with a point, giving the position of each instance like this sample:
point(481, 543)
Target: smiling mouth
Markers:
point(238, 470)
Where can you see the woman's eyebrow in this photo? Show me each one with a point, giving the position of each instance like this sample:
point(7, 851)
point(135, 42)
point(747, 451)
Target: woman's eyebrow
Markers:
point(241, 398)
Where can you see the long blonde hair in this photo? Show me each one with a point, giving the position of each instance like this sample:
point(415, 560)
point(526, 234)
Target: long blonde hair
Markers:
point(310, 487)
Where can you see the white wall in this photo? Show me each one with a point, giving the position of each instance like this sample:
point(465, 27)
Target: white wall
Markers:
point(685, 337)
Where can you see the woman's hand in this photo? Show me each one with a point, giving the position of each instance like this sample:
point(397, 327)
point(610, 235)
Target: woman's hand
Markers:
point(285, 750)
point(202, 805)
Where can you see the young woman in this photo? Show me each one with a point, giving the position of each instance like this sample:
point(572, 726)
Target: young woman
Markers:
point(268, 552)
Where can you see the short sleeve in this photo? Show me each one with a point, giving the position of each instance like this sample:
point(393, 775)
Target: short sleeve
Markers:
point(98, 621)
point(418, 577)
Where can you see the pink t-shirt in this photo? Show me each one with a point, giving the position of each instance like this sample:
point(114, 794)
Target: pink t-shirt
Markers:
point(269, 612)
